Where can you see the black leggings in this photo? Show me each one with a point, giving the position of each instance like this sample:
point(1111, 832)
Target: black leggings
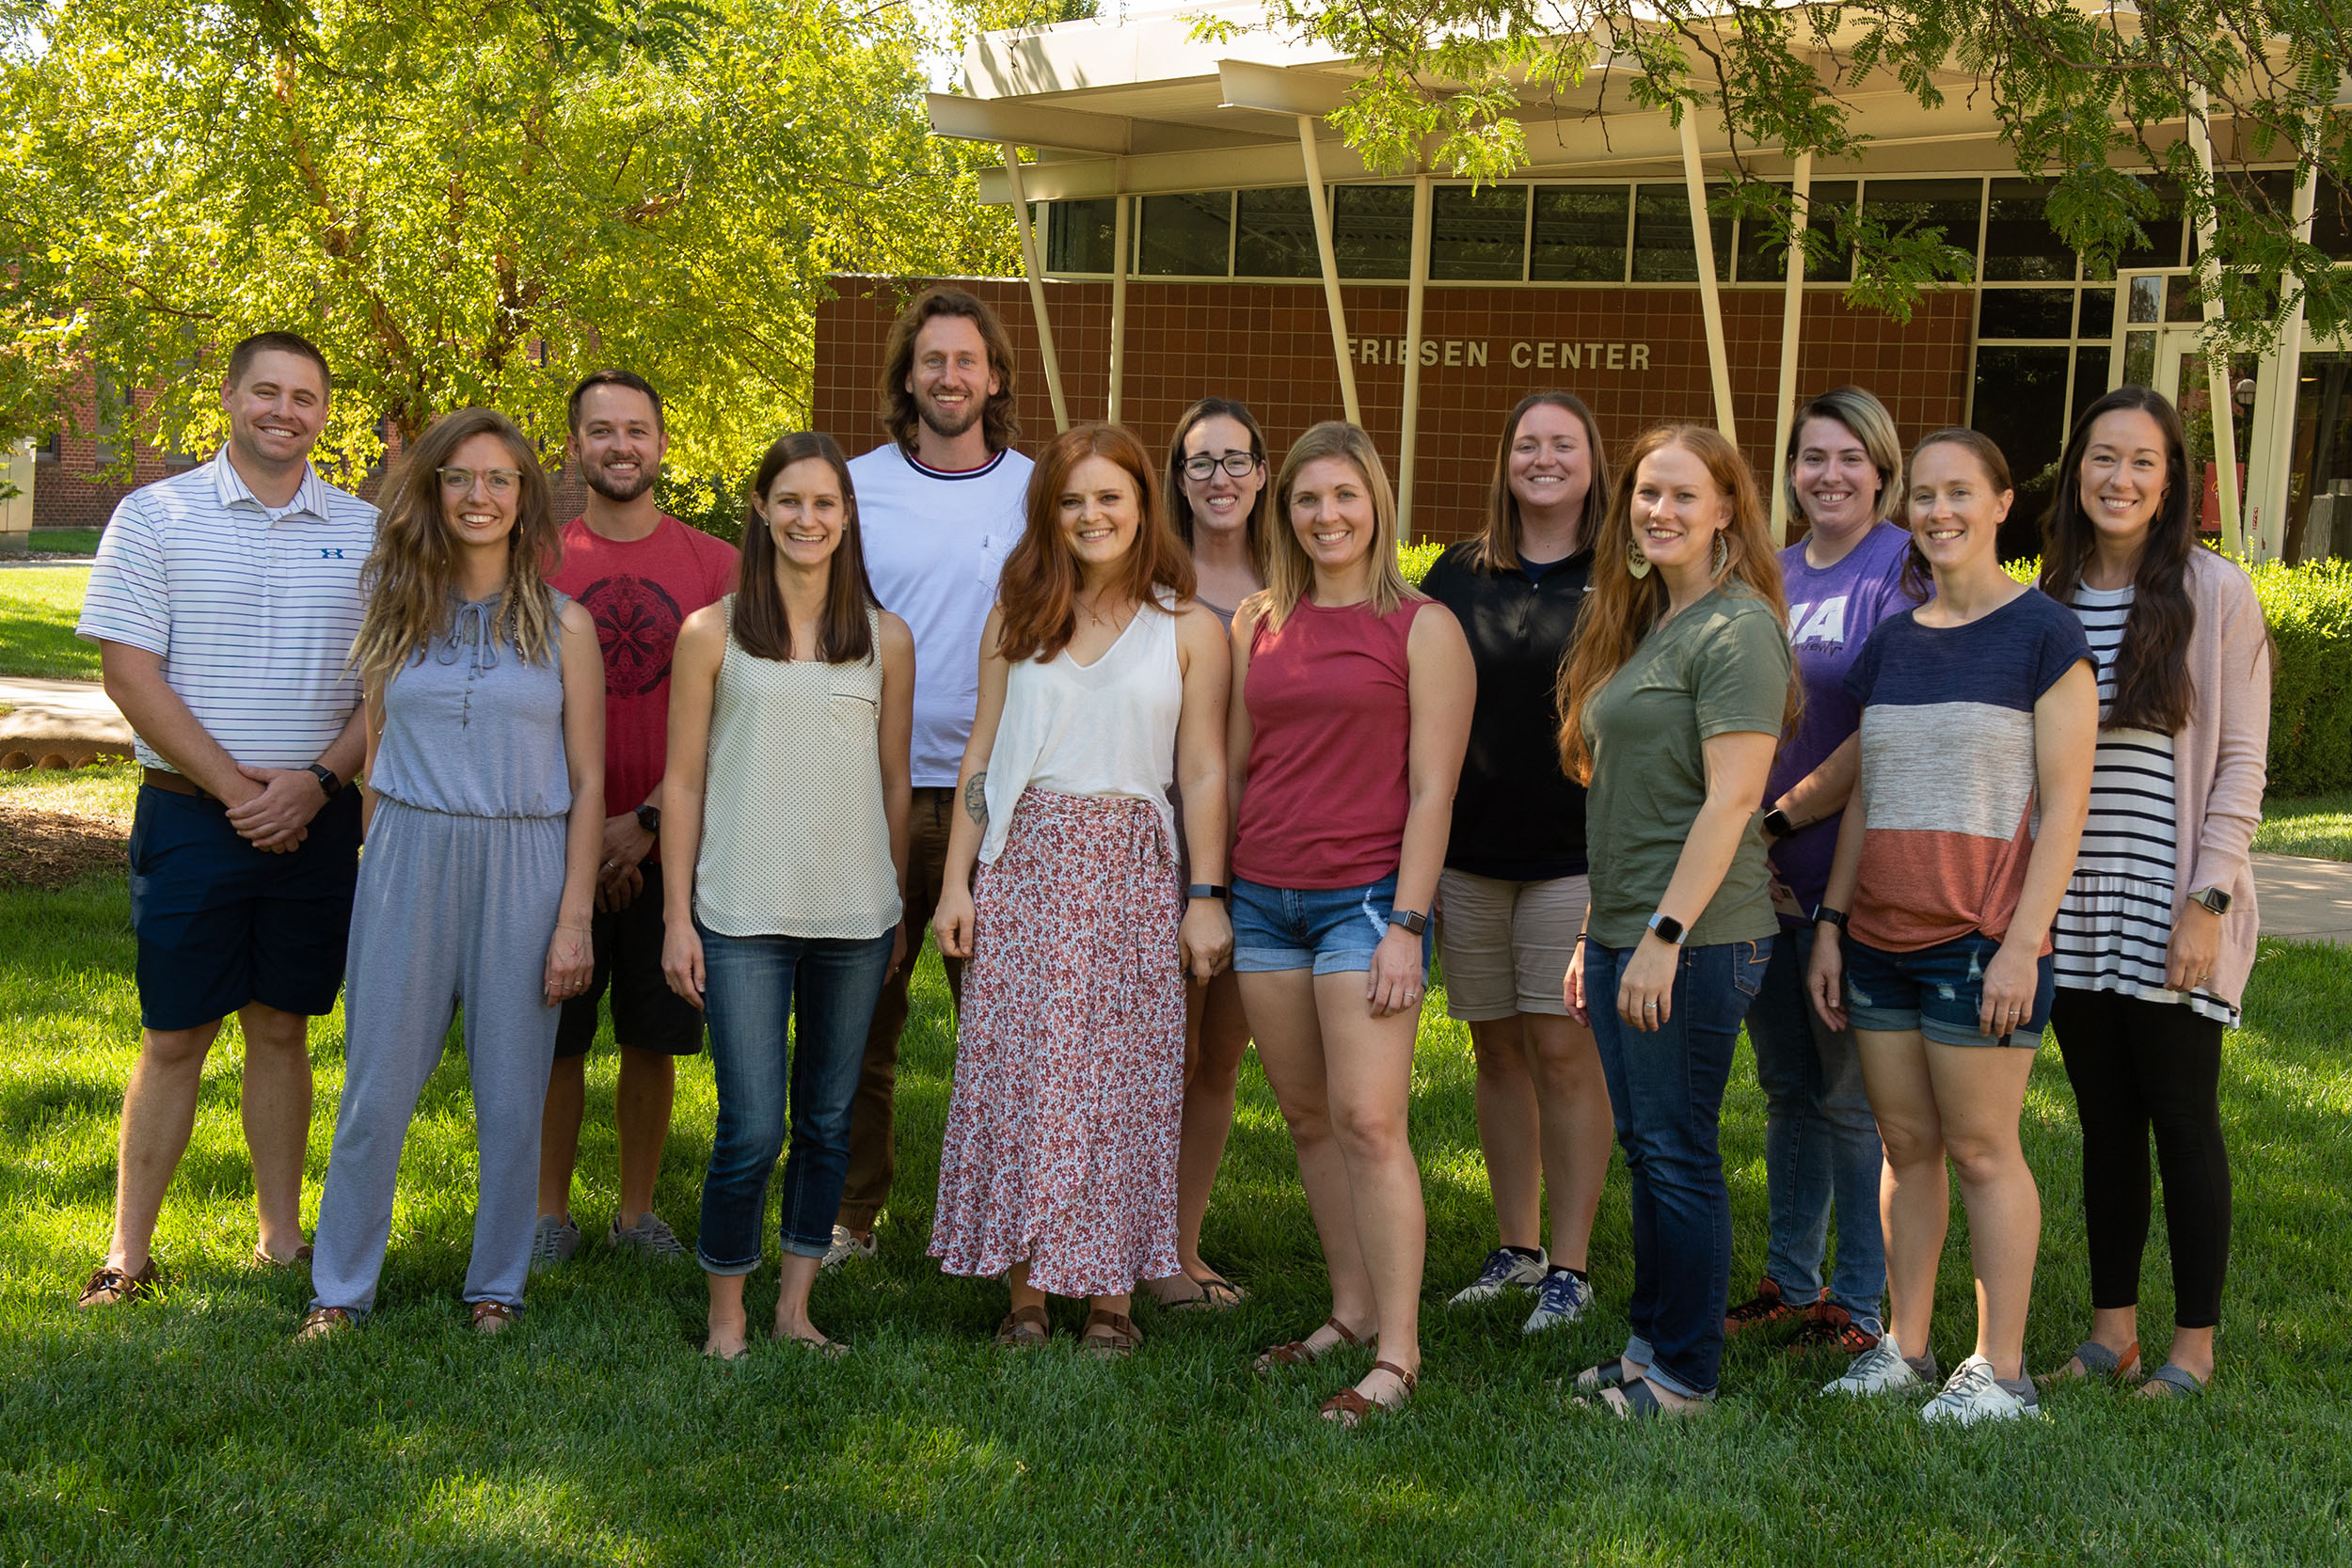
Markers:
point(2134, 1064)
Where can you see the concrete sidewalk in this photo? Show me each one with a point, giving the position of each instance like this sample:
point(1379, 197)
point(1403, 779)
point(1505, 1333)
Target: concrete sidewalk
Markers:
point(2304, 900)
point(73, 719)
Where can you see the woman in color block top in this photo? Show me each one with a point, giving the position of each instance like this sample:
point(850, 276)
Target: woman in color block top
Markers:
point(1513, 896)
point(1979, 714)
point(1220, 502)
point(787, 793)
point(1346, 734)
point(1102, 685)
point(1672, 702)
point(2157, 932)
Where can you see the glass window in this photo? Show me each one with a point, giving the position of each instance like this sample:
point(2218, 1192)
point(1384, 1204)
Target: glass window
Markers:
point(1664, 251)
point(2025, 313)
point(1580, 233)
point(1371, 229)
point(2139, 359)
point(2090, 379)
point(1763, 258)
point(1275, 234)
point(2021, 403)
point(1186, 236)
point(2098, 314)
point(2164, 230)
point(2019, 242)
point(1918, 205)
point(1478, 233)
point(1081, 236)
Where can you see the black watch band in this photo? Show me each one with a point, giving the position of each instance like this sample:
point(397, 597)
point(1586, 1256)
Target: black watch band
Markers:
point(326, 779)
point(1209, 890)
point(649, 817)
point(1412, 920)
point(1777, 824)
point(1823, 912)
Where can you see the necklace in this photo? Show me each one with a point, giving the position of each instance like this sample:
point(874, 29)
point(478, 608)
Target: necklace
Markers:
point(1091, 613)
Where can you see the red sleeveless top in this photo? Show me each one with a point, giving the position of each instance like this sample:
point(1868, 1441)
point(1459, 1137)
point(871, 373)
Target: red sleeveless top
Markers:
point(1331, 723)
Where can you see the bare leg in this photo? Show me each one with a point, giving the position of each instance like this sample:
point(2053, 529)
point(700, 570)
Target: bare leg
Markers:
point(641, 1115)
point(1572, 1100)
point(1216, 1035)
point(1979, 1092)
point(559, 1135)
point(2192, 1351)
point(1915, 1193)
point(1509, 1129)
point(275, 1102)
point(799, 1276)
point(1370, 1071)
point(158, 1115)
point(1023, 1294)
point(1283, 1020)
point(730, 1330)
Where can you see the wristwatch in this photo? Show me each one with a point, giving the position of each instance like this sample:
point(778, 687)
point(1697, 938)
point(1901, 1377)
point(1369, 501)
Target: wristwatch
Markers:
point(649, 817)
point(2212, 898)
point(1412, 920)
point(1209, 890)
point(331, 784)
point(1777, 824)
point(1835, 917)
point(1665, 928)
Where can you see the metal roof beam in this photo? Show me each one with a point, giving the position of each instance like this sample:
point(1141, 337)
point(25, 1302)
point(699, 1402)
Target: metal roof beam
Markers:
point(1029, 125)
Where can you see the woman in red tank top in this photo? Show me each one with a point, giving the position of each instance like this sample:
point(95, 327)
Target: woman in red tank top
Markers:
point(1355, 696)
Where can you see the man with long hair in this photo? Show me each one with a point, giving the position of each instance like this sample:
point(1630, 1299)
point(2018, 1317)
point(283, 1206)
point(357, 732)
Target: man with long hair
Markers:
point(638, 572)
point(941, 504)
point(223, 602)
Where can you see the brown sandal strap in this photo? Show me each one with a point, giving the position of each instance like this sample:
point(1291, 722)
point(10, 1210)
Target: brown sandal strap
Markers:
point(1347, 1335)
point(1024, 1325)
point(1410, 1380)
point(498, 1309)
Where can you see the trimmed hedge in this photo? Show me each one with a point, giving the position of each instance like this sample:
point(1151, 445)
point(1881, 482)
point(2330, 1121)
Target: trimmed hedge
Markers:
point(2309, 609)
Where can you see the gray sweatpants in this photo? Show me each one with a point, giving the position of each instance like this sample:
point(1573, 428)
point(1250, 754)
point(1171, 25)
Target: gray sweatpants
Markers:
point(452, 912)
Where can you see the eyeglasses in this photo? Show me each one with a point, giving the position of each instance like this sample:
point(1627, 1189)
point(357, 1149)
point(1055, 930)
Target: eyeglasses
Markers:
point(497, 482)
point(1239, 463)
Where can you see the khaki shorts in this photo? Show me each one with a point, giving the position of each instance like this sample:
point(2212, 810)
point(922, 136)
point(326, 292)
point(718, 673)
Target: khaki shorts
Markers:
point(1505, 945)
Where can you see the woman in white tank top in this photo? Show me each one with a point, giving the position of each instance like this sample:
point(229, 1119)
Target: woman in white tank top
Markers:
point(791, 705)
point(1102, 685)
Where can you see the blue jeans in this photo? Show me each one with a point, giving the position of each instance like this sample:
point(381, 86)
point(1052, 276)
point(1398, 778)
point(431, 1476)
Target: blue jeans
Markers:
point(750, 985)
point(1821, 1143)
point(1329, 930)
point(1666, 1090)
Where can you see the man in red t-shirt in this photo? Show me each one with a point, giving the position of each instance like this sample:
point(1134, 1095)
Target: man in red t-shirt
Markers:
point(640, 574)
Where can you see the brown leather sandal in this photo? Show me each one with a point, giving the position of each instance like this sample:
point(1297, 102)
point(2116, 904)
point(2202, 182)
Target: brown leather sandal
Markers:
point(322, 1321)
point(1025, 1328)
point(493, 1317)
point(1117, 1339)
point(110, 1286)
point(264, 1261)
point(1349, 1406)
point(1298, 1353)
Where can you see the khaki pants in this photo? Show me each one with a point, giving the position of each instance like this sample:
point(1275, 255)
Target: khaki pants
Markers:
point(872, 1158)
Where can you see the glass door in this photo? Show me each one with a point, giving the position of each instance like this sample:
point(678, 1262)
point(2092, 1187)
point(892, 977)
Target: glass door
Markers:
point(2161, 345)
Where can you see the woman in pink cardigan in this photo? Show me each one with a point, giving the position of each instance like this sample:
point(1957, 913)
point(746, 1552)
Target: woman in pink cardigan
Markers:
point(2157, 933)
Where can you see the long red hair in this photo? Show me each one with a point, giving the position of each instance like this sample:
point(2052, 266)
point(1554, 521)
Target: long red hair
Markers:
point(1037, 595)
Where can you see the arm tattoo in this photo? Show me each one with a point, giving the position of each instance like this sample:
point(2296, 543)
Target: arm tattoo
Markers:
point(976, 797)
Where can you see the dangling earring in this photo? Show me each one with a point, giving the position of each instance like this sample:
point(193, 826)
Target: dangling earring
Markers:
point(1636, 563)
point(1723, 554)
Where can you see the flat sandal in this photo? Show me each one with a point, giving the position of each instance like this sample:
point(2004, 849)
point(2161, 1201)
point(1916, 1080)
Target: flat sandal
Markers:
point(1025, 1328)
point(1116, 1343)
point(1298, 1353)
point(1350, 1406)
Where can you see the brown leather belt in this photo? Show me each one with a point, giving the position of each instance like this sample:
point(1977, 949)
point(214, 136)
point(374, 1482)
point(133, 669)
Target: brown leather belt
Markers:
point(171, 783)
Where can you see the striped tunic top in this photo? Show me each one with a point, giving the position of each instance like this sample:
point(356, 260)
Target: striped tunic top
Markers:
point(2116, 922)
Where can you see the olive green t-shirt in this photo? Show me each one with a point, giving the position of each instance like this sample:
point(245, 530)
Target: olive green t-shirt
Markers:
point(1720, 667)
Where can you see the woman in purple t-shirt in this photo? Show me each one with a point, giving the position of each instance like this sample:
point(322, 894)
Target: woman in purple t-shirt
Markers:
point(1820, 1145)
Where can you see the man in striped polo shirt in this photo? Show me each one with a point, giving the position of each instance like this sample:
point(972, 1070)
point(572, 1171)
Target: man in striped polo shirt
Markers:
point(224, 601)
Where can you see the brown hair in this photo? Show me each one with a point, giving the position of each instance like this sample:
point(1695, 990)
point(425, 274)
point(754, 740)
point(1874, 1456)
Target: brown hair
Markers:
point(1623, 609)
point(2153, 686)
point(899, 415)
point(413, 569)
point(1179, 509)
point(1289, 575)
point(1037, 595)
point(1864, 418)
point(757, 621)
point(1918, 576)
point(1496, 549)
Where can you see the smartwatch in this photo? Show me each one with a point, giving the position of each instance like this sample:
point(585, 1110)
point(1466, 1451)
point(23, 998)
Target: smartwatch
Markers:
point(649, 817)
point(1412, 920)
point(2212, 898)
point(1777, 824)
point(1209, 890)
point(332, 785)
point(1665, 928)
point(1823, 912)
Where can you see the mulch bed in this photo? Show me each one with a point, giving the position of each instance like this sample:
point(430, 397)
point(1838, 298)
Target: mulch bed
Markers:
point(44, 848)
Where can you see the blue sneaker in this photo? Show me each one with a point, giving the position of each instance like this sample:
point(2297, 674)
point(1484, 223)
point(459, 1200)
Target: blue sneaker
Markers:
point(1560, 1299)
point(1504, 1270)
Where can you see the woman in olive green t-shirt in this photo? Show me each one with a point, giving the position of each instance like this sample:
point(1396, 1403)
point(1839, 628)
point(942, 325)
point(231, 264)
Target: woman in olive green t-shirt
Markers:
point(1673, 702)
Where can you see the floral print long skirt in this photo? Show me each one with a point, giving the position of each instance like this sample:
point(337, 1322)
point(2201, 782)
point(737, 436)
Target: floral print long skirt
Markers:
point(1060, 1148)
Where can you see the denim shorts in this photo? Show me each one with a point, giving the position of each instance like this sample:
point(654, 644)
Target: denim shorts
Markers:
point(1329, 930)
point(1937, 991)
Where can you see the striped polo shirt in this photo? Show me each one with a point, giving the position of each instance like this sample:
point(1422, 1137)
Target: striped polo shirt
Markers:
point(252, 611)
point(1948, 770)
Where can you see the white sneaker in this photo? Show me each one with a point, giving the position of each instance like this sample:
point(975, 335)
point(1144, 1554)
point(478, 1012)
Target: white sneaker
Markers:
point(1562, 1298)
point(1504, 1270)
point(1973, 1394)
point(849, 1248)
point(1880, 1369)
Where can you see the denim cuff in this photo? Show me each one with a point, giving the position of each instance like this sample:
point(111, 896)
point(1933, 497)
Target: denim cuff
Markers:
point(724, 1270)
point(1637, 1349)
point(805, 1249)
point(1673, 1385)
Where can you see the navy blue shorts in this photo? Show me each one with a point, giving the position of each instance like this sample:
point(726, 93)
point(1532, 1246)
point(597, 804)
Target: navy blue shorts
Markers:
point(221, 924)
point(1938, 990)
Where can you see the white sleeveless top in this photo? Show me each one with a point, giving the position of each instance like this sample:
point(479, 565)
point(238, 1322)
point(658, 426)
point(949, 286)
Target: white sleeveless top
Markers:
point(796, 841)
point(1105, 728)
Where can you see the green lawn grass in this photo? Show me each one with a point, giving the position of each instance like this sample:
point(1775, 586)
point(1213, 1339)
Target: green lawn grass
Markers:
point(66, 541)
point(39, 606)
point(2319, 826)
point(192, 1430)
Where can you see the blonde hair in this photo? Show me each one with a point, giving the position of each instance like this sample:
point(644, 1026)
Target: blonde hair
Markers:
point(1290, 575)
point(1867, 420)
point(410, 575)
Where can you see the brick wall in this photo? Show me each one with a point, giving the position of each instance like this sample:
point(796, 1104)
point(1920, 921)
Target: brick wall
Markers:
point(1270, 345)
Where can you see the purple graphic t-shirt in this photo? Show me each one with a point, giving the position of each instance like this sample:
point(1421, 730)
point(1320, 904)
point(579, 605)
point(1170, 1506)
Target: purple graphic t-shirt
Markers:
point(1831, 610)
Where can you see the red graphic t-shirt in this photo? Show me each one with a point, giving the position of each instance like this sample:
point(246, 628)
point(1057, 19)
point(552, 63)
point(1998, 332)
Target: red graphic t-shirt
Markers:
point(639, 593)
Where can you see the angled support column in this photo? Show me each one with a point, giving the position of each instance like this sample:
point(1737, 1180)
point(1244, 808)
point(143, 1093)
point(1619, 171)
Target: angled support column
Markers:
point(1703, 241)
point(1036, 270)
point(1120, 205)
point(1321, 207)
point(2218, 382)
point(2270, 515)
point(1416, 296)
point(1791, 327)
